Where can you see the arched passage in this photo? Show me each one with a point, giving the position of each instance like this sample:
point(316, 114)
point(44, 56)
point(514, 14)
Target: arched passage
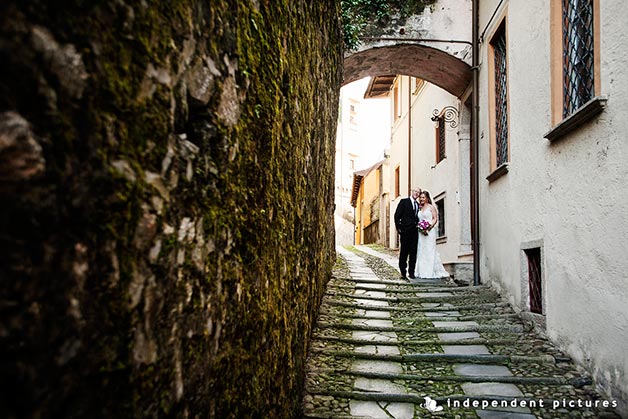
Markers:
point(438, 45)
point(455, 76)
point(430, 64)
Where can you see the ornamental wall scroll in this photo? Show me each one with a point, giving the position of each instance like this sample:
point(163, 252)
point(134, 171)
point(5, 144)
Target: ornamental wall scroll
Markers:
point(448, 114)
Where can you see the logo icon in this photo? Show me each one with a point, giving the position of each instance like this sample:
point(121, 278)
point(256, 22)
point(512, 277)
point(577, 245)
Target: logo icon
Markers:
point(431, 405)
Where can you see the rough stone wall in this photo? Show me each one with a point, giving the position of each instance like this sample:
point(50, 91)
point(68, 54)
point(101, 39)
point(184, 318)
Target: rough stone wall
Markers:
point(166, 179)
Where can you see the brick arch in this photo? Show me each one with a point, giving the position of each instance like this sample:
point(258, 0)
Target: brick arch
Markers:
point(422, 61)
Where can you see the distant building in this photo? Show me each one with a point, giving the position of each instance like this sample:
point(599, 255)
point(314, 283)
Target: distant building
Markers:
point(540, 168)
point(430, 149)
point(357, 142)
point(369, 197)
point(552, 165)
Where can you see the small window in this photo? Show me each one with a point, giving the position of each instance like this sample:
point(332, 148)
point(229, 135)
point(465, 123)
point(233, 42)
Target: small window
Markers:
point(397, 191)
point(416, 85)
point(578, 54)
point(500, 97)
point(575, 64)
point(396, 104)
point(534, 279)
point(353, 115)
point(440, 139)
point(440, 206)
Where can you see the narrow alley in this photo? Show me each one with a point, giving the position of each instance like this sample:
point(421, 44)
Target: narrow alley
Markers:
point(389, 348)
point(178, 180)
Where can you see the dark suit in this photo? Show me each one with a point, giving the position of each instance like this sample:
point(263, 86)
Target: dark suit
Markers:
point(406, 222)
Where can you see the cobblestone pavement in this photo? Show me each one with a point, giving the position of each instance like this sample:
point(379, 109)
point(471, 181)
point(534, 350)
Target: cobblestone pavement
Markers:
point(388, 348)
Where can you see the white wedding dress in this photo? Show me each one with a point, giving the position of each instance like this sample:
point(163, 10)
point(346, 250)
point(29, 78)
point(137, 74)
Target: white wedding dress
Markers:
point(428, 261)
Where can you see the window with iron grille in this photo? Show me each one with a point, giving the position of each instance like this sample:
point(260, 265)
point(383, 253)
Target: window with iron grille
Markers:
point(440, 206)
point(440, 139)
point(498, 42)
point(578, 54)
point(534, 279)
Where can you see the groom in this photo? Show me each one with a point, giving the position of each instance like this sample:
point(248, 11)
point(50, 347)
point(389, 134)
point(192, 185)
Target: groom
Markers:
point(406, 219)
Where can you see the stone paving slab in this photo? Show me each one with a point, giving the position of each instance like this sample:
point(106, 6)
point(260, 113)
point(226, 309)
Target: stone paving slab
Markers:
point(364, 277)
point(466, 349)
point(496, 389)
point(377, 385)
point(483, 370)
point(433, 294)
point(357, 273)
point(374, 313)
point(380, 410)
point(433, 305)
point(493, 414)
point(455, 324)
point(378, 286)
point(374, 336)
point(492, 389)
point(442, 313)
point(372, 303)
point(377, 350)
point(392, 261)
point(373, 322)
point(375, 294)
point(457, 336)
point(367, 365)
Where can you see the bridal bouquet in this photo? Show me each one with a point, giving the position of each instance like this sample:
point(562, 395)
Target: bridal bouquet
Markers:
point(424, 226)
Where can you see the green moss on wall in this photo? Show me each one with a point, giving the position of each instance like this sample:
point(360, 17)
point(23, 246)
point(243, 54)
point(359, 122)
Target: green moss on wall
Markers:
point(170, 259)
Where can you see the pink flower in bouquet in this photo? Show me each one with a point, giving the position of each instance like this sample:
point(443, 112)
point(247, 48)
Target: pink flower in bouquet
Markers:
point(424, 226)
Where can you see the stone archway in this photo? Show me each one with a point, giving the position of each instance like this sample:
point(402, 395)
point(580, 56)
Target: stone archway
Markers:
point(433, 45)
point(443, 63)
point(425, 62)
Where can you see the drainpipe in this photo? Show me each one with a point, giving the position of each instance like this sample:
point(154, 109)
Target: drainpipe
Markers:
point(409, 137)
point(475, 183)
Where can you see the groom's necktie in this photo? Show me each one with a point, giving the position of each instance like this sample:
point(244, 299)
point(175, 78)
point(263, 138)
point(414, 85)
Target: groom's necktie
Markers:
point(416, 209)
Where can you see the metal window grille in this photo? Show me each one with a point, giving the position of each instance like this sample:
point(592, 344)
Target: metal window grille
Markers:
point(440, 206)
point(441, 140)
point(534, 279)
point(501, 109)
point(578, 80)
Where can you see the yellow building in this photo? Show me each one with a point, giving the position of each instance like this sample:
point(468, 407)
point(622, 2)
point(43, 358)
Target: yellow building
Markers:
point(370, 199)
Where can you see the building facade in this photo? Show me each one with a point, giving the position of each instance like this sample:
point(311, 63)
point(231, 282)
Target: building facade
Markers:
point(370, 198)
point(361, 122)
point(537, 162)
point(430, 149)
point(552, 169)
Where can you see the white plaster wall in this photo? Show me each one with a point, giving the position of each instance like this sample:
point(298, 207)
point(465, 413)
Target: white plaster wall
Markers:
point(464, 196)
point(441, 178)
point(445, 20)
point(448, 19)
point(569, 195)
point(398, 157)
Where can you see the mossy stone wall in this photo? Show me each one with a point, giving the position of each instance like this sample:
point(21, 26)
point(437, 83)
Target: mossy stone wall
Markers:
point(166, 179)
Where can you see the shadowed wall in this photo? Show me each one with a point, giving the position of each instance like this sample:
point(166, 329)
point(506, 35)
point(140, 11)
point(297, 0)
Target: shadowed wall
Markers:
point(166, 178)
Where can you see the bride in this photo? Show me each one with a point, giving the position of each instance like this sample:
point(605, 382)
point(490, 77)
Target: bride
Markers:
point(428, 260)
